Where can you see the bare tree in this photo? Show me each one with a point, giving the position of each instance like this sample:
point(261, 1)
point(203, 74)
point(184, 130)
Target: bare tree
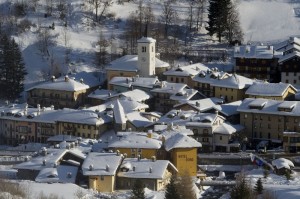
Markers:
point(200, 9)
point(101, 7)
point(168, 16)
point(49, 7)
point(102, 55)
point(45, 40)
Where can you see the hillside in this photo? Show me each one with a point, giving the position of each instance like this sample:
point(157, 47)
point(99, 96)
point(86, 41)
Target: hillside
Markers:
point(262, 21)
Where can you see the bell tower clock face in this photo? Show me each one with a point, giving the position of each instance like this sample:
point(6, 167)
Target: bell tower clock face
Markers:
point(143, 59)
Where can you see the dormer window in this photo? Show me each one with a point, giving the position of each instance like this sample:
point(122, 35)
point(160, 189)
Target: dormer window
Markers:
point(144, 49)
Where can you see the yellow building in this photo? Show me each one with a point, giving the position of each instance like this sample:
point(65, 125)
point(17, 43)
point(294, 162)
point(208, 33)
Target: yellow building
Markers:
point(101, 170)
point(63, 92)
point(137, 144)
point(274, 91)
point(184, 74)
point(268, 119)
point(154, 174)
point(183, 152)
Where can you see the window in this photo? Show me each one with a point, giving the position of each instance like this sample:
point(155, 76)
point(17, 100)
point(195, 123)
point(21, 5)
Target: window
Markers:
point(295, 73)
point(269, 135)
point(220, 137)
point(171, 79)
point(102, 178)
point(245, 116)
point(182, 80)
point(152, 49)
point(204, 139)
point(295, 81)
point(144, 49)
point(286, 81)
point(287, 74)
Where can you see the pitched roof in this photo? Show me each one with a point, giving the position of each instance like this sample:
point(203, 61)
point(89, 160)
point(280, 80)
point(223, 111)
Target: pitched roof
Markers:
point(62, 84)
point(119, 114)
point(180, 141)
point(228, 129)
point(144, 168)
point(130, 63)
point(101, 164)
point(257, 52)
point(144, 82)
point(268, 89)
point(136, 140)
point(101, 94)
point(233, 81)
point(137, 95)
point(189, 70)
point(60, 174)
point(272, 107)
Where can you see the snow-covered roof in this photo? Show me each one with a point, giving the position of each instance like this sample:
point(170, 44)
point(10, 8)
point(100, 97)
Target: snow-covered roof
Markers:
point(180, 141)
point(189, 70)
point(282, 46)
point(269, 107)
point(186, 94)
point(91, 79)
point(228, 129)
point(170, 88)
point(136, 140)
point(101, 94)
point(137, 119)
point(60, 174)
point(269, 89)
point(101, 164)
point(130, 63)
point(80, 116)
point(38, 163)
point(283, 163)
point(127, 104)
point(119, 114)
point(146, 40)
point(209, 76)
point(145, 168)
point(289, 56)
point(229, 108)
point(200, 105)
point(137, 95)
point(256, 52)
point(62, 84)
point(233, 81)
point(143, 82)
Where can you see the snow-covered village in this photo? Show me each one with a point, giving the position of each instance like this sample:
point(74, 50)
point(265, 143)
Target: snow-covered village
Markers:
point(149, 99)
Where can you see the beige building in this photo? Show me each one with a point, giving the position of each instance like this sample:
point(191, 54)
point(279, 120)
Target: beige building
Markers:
point(230, 87)
point(63, 92)
point(274, 91)
point(268, 119)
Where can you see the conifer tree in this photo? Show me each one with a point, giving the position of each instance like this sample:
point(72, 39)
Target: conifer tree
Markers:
point(138, 191)
point(185, 186)
point(223, 20)
point(12, 70)
point(171, 189)
point(242, 189)
point(258, 186)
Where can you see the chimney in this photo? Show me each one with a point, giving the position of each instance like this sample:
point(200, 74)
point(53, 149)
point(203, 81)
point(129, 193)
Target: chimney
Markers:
point(153, 158)
point(118, 152)
point(149, 134)
point(69, 175)
point(133, 168)
point(55, 165)
point(66, 78)
point(150, 169)
point(197, 104)
point(81, 80)
point(91, 167)
point(44, 162)
point(139, 157)
point(125, 155)
point(52, 107)
point(44, 151)
point(53, 78)
point(107, 168)
point(38, 109)
point(216, 112)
